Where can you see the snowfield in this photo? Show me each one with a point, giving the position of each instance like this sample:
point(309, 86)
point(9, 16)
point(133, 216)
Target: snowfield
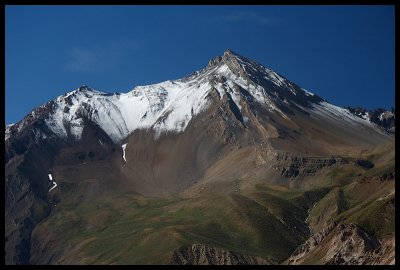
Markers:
point(165, 107)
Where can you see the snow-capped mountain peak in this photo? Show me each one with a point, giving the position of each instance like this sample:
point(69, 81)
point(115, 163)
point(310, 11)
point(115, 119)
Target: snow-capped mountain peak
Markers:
point(169, 106)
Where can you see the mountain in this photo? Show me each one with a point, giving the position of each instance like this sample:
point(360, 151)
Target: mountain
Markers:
point(232, 157)
point(169, 106)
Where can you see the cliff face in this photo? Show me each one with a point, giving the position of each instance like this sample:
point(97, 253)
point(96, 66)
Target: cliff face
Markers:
point(344, 245)
point(198, 254)
point(293, 166)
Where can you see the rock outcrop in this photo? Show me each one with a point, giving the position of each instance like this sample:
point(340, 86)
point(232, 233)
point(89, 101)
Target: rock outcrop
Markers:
point(344, 244)
point(199, 254)
point(391, 176)
point(293, 166)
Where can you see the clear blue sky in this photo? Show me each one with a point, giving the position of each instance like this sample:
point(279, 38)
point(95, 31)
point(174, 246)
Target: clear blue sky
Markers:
point(345, 54)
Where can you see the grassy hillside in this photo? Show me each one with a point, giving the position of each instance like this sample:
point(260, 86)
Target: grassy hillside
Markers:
point(128, 228)
point(265, 220)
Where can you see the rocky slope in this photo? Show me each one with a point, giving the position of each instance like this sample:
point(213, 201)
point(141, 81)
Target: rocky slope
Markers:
point(344, 244)
point(198, 254)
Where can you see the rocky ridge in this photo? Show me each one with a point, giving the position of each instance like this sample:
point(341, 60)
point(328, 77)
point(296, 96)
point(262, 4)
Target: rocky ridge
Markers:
point(199, 254)
point(380, 116)
point(341, 244)
point(293, 166)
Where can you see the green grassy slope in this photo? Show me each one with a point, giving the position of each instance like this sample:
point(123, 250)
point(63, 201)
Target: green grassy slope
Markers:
point(131, 229)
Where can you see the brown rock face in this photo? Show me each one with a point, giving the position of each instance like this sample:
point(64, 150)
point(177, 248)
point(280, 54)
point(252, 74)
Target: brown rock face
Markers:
point(198, 254)
point(293, 166)
point(344, 244)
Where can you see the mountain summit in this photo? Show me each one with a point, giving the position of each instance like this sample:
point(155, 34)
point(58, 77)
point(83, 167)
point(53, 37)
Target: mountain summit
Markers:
point(169, 106)
point(255, 148)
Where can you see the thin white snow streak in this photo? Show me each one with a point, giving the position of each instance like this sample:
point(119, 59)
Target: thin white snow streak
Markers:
point(123, 149)
point(308, 93)
point(54, 183)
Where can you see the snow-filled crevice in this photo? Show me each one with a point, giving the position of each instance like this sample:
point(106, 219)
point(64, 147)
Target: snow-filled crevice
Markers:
point(54, 183)
point(123, 151)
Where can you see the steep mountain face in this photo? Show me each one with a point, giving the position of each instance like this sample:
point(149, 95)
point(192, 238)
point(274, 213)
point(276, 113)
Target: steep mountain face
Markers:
point(231, 122)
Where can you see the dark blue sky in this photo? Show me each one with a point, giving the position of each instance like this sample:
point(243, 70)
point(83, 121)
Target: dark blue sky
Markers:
point(344, 54)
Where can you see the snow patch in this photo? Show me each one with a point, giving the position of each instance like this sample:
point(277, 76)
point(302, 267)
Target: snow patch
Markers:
point(8, 131)
point(54, 183)
point(123, 149)
point(385, 115)
point(366, 116)
point(274, 77)
point(220, 90)
point(76, 128)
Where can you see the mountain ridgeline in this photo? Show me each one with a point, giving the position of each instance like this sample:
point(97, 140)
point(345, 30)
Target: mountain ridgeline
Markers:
point(233, 159)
